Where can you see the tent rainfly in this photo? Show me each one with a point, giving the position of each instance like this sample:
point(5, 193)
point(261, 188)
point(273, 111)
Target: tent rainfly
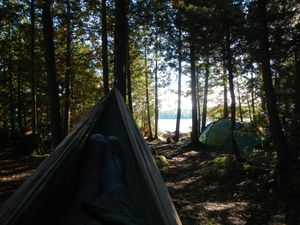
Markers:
point(219, 134)
point(45, 197)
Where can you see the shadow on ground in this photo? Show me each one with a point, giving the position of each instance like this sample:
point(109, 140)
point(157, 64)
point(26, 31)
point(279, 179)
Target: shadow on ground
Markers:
point(206, 194)
point(203, 192)
point(14, 170)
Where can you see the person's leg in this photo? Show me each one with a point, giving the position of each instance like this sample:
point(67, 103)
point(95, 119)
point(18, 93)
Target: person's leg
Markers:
point(77, 215)
point(114, 144)
point(91, 166)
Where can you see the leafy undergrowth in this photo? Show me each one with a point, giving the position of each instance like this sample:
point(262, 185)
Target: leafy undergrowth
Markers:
point(209, 187)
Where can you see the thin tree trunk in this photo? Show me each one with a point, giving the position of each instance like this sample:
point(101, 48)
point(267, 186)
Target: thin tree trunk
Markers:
point(198, 90)
point(231, 89)
point(177, 129)
point(204, 111)
point(51, 72)
point(121, 43)
point(279, 141)
point(195, 131)
point(66, 122)
point(19, 99)
point(33, 77)
point(150, 135)
point(252, 98)
point(104, 48)
point(249, 109)
point(225, 108)
point(156, 91)
point(240, 104)
point(129, 88)
point(297, 97)
point(11, 88)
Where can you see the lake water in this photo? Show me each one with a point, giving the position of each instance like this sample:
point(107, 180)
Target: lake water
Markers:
point(170, 125)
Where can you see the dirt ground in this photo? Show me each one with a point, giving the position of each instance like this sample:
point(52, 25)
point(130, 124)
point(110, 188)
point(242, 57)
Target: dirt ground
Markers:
point(205, 187)
point(205, 191)
point(14, 170)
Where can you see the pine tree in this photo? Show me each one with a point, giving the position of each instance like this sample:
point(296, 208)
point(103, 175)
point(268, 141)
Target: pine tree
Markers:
point(51, 72)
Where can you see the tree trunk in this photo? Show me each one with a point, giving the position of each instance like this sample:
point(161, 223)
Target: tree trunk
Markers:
point(156, 91)
point(240, 104)
point(297, 93)
point(249, 109)
point(51, 72)
point(204, 111)
point(104, 48)
point(66, 122)
point(19, 99)
point(225, 109)
point(195, 131)
point(121, 43)
point(279, 141)
point(252, 98)
point(231, 89)
point(11, 90)
point(176, 136)
point(33, 77)
point(129, 88)
point(198, 90)
point(150, 134)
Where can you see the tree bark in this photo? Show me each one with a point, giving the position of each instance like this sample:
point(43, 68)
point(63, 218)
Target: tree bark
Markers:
point(66, 122)
point(128, 76)
point(19, 89)
point(104, 48)
point(249, 109)
point(195, 131)
point(11, 90)
point(51, 72)
point(33, 76)
point(204, 111)
point(231, 87)
point(225, 91)
point(150, 134)
point(279, 141)
point(240, 104)
point(297, 93)
point(121, 43)
point(252, 98)
point(156, 90)
point(198, 96)
point(177, 129)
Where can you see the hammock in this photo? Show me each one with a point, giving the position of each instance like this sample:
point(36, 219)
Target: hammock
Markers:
point(46, 196)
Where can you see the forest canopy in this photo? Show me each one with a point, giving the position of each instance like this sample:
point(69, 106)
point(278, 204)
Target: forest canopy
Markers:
point(58, 58)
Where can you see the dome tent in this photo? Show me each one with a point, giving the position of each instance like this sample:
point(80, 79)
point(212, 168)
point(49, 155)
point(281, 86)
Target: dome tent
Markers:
point(218, 134)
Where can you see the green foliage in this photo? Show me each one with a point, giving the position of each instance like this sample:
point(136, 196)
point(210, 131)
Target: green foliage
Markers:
point(221, 165)
point(256, 162)
point(16, 70)
point(161, 162)
point(155, 27)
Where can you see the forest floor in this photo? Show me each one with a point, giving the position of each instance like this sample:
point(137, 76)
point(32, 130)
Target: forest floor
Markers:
point(14, 170)
point(206, 186)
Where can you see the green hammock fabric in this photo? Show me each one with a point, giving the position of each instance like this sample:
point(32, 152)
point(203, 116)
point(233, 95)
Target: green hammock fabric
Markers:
point(46, 196)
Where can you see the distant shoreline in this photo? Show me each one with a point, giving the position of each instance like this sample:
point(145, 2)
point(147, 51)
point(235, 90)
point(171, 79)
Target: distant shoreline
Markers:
point(169, 124)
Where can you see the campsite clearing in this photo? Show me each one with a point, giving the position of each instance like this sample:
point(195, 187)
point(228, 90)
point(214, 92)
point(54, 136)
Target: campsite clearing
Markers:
point(204, 184)
point(209, 188)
